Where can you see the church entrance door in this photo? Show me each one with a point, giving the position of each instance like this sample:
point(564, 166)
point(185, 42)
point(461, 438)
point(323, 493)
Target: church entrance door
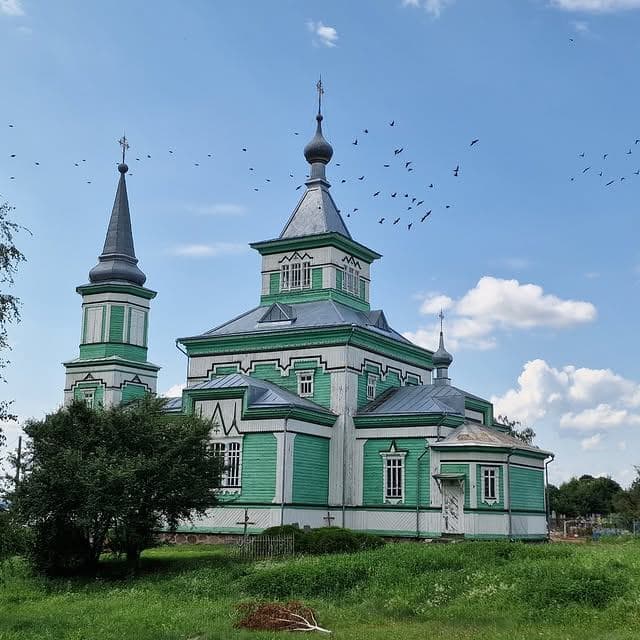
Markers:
point(452, 507)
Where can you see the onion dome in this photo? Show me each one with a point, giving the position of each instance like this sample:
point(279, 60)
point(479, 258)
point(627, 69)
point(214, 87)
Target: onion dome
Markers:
point(441, 358)
point(318, 149)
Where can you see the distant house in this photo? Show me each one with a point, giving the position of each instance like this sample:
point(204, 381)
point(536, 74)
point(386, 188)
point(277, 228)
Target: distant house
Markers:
point(322, 412)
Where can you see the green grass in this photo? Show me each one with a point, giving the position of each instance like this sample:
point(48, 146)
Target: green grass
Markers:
point(479, 591)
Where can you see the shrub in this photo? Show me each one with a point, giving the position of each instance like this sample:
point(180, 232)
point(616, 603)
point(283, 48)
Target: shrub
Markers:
point(337, 540)
point(299, 536)
point(14, 538)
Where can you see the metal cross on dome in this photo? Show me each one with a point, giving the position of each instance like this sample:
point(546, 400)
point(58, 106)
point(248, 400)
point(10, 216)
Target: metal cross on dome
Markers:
point(320, 89)
point(124, 143)
point(441, 316)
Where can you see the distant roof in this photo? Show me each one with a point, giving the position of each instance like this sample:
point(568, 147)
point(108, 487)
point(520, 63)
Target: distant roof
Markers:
point(261, 394)
point(173, 405)
point(307, 315)
point(472, 434)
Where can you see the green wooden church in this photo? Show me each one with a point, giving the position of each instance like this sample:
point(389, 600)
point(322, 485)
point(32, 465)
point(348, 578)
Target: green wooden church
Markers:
point(323, 413)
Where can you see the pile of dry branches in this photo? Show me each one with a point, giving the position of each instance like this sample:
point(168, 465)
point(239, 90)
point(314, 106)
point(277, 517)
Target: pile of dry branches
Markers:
point(276, 616)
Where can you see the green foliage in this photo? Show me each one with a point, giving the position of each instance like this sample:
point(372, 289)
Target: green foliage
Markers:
point(516, 430)
point(14, 538)
point(627, 503)
point(298, 534)
point(584, 496)
point(337, 540)
point(127, 470)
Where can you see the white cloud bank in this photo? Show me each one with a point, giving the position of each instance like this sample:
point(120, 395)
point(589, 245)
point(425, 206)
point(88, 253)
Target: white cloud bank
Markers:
point(174, 391)
point(497, 304)
point(11, 8)
point(575, 400)
point(433, 7)
point(323, 34)
point(596, 6)
point(212, 250)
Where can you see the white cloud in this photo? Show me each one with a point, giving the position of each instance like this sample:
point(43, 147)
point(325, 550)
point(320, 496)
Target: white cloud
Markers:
point(592, 442)
point(209, 250)
point(496, 304)
point(220, 209)
point(174, 391)
point(581, 27)
point(433, 7)
point(11, 7)
point(573, 399)
point(596, 6)
point(323, 34)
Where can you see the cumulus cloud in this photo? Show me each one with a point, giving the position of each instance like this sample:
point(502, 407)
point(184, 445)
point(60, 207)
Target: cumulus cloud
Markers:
point(592, 442)
point(573, 399)
point(208, 250)
point(596, 6)
point(433, 7)
point(220, 209)
point(323, 34)
point(174, 391)
point(11, 8)
point(496, 304)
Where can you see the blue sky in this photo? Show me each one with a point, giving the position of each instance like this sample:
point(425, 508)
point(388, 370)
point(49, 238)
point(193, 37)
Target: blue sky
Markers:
point(539, 273)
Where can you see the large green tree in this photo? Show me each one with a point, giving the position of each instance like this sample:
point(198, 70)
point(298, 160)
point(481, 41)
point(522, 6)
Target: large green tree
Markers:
point(585, 495)
point(627, 503)
point(120, 473)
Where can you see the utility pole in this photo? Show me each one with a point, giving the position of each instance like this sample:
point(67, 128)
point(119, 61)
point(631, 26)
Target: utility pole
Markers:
point(18, 462)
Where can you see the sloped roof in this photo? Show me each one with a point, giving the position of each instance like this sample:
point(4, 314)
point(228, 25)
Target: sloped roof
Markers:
point(472, 434)
point(261, 394)
point(417, 399)
point(306, 315)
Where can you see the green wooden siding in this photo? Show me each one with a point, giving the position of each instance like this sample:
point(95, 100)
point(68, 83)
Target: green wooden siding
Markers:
point(106, 349)
point(316, 278)
point(312, 295)
point(339, 275)
point(392, 379)
point(373, 469)
point(274, 283)
point(310, 469)
point(116, 324)
point(527, 489)
point(480, 487)
point(223, 370)
point(131, 391)
point(98, 392)
point(259, 458)
point(459, 468)
point(321, 380)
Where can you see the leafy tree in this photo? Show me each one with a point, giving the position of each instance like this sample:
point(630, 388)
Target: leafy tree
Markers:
point(123, 472)
point(584, 496)
point(526, 434)
point(10, 259)
point(627, 503)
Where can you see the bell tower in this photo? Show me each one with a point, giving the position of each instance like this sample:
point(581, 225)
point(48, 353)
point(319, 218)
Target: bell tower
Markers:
point(112, 366)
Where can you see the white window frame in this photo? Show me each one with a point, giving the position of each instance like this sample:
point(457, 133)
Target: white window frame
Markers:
point(94, 326)
point(231, 452)
point(490, 473)
point(137, 321)
point(295, 275)
point(285, 272)
point(306, 275)
point(351, 280)
point(89, 397)
point(393, 493)
point(306, 384)
point(372, 382)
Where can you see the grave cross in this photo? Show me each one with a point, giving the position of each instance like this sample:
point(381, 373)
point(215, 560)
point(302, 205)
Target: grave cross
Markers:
point(329, 518)
point(245, 524)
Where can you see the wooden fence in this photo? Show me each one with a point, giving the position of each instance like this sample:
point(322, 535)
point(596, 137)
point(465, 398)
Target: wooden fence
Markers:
point(266, 547)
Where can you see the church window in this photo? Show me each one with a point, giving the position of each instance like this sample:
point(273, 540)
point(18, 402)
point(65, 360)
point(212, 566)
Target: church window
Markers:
point(393, 475)
point(305, 384)
point(136, 327)
point(351, 281)
point(229, 455)
point(88, 396)
point(372, 380)
point(306, 275)
point(490, 485)
point(296, 275)
point(285, 271)
point(93, 330)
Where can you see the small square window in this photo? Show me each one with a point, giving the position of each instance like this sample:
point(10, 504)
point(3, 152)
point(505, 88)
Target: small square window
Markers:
point(305, 384)
point(372, 381)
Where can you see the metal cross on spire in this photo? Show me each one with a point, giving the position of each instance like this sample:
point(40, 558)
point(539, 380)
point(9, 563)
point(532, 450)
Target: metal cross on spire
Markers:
point(441, 316)
point(320, 89)
point(124, 143)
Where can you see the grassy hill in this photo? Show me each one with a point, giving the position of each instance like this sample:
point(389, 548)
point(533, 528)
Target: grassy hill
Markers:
point(407, 591)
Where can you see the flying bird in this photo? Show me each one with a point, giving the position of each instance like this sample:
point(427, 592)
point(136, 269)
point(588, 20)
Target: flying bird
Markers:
point(629, 152)
point(396, 221)
point(637, 140)
point(637, 173)
point(244, 148)
point(581, 155)
point(600, 174)
point(425, 216)
point(377, 193)
point(342, 181)
point(361, 178)
point(431, 186)
point(413, 199)
point(13, 155)
point(394, 194)
point(419, 203)
point(355, 142)
point(409, 226)
point(386, 165)
point(355, 209)
point(609, 183)
point(456, 171)
point(585, 170)
point(407, 163)
point(299, 187)
point(392, 123)
point(365, 131)
point(604, 157)
point(474, 142)
point(398, 151)
point(381, 221)
point(11, 127)
point(447, 206)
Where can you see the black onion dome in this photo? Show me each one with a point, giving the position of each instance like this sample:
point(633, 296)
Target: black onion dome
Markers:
point(441, 358)
point(318, 149)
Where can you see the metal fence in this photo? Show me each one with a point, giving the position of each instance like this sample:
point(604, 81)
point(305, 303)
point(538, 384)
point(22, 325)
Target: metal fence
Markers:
point(266, 547)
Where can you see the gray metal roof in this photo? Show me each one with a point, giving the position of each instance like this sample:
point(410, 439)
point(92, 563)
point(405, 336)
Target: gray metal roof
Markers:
point(420, 399)
point(472, 434)
point(118, 261)
point(173, 405)
point(261, 394)
point(306, 315)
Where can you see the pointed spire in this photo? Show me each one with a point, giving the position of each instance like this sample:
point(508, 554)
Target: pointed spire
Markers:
point(442, 359)
point(118, 261)
point(316, 212)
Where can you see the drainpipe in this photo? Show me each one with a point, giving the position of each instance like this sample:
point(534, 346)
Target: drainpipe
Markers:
point(344, 430)
point(511, 452)
point(284, 464)
point(426, 449)
point(547, 512)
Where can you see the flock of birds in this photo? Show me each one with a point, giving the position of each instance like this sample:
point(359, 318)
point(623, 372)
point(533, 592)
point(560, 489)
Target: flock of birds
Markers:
point(407, 205)
point(603, 170)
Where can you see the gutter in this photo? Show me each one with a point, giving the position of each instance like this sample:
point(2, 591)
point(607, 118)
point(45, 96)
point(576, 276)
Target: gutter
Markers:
point(181, 350)
point(344, 431)
point(547, 512)
point(511, 452)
